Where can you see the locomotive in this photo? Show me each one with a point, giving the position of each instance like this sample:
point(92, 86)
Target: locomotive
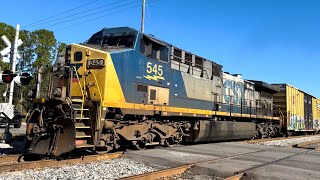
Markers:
point(124, 88)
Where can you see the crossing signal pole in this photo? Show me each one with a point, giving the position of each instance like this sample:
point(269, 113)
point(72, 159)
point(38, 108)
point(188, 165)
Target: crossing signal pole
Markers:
point(7, 109)
point(14, 61)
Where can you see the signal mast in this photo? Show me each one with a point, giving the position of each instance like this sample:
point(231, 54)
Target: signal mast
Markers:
point(10, 76)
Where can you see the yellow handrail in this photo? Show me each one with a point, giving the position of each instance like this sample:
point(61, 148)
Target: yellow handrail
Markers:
point(99, 117)
point(82, 103)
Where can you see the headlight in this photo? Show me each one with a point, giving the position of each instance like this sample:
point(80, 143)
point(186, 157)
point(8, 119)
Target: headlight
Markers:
point(57, 92)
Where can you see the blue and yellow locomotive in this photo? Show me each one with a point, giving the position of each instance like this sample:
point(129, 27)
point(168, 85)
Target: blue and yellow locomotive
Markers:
point(125, 88)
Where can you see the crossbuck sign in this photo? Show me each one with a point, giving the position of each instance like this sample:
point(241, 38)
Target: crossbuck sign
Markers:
point(7, 50)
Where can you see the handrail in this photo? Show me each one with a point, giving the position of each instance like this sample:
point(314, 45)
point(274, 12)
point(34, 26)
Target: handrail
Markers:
point(82, 104)
point(100, 94)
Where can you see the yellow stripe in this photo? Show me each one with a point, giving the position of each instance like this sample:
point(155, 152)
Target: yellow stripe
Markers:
point(246, 115)
point(178, 110)
point(220, 113)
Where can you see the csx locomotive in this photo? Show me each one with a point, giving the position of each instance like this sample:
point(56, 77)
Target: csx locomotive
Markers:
point(125, 88)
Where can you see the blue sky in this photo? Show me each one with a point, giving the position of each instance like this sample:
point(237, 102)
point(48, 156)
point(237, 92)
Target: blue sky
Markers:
point(276, 41)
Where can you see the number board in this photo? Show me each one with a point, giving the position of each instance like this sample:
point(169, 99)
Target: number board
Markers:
point(95, 63)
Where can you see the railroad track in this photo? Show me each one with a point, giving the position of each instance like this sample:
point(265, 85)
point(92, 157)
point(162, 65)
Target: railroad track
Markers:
point(179, 170)
point(12, 164)
point(309, 145)
point(8, 159)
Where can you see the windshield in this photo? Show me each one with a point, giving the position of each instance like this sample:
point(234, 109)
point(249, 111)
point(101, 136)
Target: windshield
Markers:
point(112, 40)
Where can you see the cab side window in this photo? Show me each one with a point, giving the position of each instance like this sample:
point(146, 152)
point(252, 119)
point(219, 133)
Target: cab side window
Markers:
point(154, 49)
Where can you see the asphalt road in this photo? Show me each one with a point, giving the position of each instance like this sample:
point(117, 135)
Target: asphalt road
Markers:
point(302, 166)
point(15, 131)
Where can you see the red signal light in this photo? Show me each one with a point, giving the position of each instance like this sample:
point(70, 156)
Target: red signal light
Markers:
point(6, 76)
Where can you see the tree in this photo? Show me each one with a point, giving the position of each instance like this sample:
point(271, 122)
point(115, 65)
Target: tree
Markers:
point(44, 44)
point(61, 46)
point(38, 50)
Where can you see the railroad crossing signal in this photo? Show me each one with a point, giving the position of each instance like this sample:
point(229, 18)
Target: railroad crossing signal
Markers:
point(7, 50)
point(6, 76)
point(23, 79)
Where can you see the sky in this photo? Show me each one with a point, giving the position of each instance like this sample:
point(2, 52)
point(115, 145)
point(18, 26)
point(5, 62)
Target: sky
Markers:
point(276, 41)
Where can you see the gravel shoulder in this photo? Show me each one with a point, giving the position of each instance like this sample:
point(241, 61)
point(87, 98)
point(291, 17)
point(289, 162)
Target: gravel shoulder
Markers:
point(289, 142)
point(108, 169)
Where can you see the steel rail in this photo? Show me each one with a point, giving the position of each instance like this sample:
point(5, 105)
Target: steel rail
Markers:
point(9, 158)
point(160, 174)
point(49, 163)
point(308, 144)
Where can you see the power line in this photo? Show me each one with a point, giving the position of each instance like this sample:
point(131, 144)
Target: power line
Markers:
point(65, 17)
point(102, 16)
point(64, 12)
point(90, 14)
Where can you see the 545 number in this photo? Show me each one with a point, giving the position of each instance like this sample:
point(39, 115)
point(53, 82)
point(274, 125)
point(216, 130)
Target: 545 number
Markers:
point(154, 69)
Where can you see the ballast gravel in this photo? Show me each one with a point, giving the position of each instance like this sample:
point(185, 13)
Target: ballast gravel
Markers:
point(109, 169)
point(289, 142)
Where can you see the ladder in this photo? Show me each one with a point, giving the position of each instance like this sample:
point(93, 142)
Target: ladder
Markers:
point(81, 114)
point(82, 118)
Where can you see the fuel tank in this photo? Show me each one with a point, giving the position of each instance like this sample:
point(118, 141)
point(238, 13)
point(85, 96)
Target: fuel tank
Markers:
point(206, 131)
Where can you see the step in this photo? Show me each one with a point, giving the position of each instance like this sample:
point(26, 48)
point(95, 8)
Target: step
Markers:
point(77, 100)
point(81, 126)
point(78, 116)
point(79, 109)
point(82, 135)
point(84, 146)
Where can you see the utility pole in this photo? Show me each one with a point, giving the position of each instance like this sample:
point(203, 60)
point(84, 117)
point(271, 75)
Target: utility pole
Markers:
point(14, 61)
point(142, 17)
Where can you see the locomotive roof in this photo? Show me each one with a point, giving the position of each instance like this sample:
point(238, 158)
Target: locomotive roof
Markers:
point(115, 30)
point(263, 86)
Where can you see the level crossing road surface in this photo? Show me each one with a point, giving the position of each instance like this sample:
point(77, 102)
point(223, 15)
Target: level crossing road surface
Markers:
point(15, 131)
point(275, 162)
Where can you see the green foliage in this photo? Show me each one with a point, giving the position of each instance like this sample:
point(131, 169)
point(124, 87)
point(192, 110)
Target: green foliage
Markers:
point(61, 46)
point(44, 44)
point(39, 50)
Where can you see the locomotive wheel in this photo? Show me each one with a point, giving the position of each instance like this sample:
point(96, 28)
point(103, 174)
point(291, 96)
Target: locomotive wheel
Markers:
point(138, 145)
point(170, 142)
